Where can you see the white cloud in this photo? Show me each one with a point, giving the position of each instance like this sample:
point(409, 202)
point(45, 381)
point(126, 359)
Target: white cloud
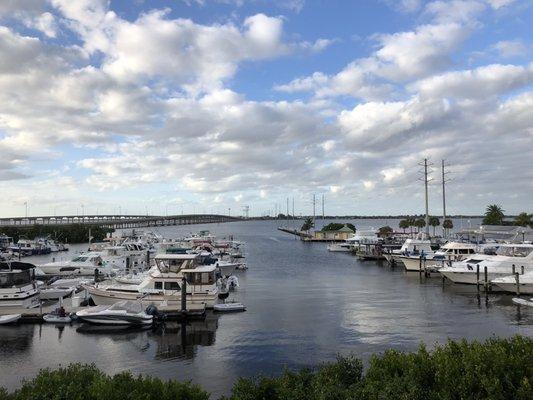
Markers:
point(510, 48)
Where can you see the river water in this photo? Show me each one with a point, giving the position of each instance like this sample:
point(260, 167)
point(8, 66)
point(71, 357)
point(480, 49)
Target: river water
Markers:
point(304, 304)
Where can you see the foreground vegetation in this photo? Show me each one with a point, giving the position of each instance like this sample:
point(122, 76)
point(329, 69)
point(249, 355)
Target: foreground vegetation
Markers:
point(494, 369)
point(73, 233)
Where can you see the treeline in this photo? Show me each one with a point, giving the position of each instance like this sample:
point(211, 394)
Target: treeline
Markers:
point(72, 233)
point(494, 369)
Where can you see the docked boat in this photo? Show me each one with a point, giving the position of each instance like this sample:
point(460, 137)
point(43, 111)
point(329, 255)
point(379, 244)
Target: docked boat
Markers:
point(411, 247)
point(339, 247)
point(523, 302)
point(28, 247)
point(84, 264)
point(163, 285)
point(120, 313)
point(449, 252)
point(510, 283)
point(509, 259)
point(18, 287)
point(9, 319)
point(57, 319)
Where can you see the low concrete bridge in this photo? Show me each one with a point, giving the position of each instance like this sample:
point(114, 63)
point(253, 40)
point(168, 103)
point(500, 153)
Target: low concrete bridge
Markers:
point(118, 221)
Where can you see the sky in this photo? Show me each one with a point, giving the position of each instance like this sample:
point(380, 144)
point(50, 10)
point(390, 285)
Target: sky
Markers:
point(209, 106)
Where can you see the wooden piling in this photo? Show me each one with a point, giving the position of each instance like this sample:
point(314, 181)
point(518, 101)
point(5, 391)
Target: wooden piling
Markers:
point(517, 280)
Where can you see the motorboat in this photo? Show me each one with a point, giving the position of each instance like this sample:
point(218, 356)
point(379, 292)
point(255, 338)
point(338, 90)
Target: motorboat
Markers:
point(5, 243)
point(228, 267)
point(411, 247)
point(523, 302)
point(163, 285)
point(449, 252)
point(57, 319)
point(509, 283)
point(509, 259)
point(339, 247)
point(9, 319)
point(83, 264)
point(27, 247)
point(124, 312)
point(131, 279)
point(18, 287)
point(229, 307)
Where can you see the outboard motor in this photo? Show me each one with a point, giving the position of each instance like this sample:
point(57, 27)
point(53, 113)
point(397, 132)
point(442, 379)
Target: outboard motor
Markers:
point(152, 310)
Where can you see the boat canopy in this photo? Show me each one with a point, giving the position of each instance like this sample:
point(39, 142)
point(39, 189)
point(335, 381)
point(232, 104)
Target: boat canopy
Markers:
point(129, 306)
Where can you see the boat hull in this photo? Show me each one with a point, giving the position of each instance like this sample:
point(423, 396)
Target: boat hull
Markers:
point(105, 297)
point(525, 288)
point(469, 278)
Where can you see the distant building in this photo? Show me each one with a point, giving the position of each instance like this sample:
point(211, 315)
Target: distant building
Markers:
point(341, 234)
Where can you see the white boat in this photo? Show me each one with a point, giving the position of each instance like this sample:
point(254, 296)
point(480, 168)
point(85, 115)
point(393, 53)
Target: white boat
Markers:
point(509, 259)
point(83, 264)
point(53, 292)
point(339, 247)
point(131, 279)
point(229, 307)
point(18, 287)
point(9, 319)
point(508, 283)
point(451, 251)
point(523, 302)
point(29, 247)
point(163, 285)
point(56, 319)
point(364, 236)
point(121, 313)
point(228, 267)
point(411, 247)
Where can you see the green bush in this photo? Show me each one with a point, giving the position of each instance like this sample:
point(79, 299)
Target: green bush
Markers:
point(496, 369)
point(73, 233)
point(82, 382)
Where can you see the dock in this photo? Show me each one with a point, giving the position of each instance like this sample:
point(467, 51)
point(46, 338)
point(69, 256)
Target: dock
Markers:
point(35, 315)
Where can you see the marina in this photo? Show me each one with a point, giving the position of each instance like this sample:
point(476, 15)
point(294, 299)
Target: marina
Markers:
point(363, 307)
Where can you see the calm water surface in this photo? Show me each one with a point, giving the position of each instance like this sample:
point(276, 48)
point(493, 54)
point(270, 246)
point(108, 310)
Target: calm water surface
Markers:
point(305, 306)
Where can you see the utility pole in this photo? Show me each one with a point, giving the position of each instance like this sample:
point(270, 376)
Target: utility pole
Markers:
point(426, 172)
point(444, 180)
point(322, 207)
point(314, 209)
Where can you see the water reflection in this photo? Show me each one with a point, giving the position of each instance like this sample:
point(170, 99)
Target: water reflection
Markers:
point(181, 339)
point(16, 339)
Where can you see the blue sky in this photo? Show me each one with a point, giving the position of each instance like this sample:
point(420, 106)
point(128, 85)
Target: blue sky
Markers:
point(205, 105)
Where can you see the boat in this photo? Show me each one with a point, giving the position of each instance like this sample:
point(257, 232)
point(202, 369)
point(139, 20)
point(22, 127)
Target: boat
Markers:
point(131, 279)
point(163, 285)
point(5, 243)
point(57, 319)
point(509, 259)
point(18, 287)
point(53, 292)
point(523, 302)
point(124, 312)
point(411, 247)
point(9, 319)
point(229, 307)
point(339, 247)
point(449, 252)
point(28, 247)
point(509, 283)
point(83, 264)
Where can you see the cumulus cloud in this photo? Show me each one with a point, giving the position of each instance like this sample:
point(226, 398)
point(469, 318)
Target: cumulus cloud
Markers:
point(150, 102)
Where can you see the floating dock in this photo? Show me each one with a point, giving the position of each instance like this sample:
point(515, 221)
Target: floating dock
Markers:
point(35, 315)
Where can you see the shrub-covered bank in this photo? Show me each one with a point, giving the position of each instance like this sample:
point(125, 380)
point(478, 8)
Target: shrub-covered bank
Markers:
point(494, 369)
point(74, 233)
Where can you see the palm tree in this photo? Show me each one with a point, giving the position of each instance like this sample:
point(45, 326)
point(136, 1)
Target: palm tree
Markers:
point(493, 215)
point(420, 223)
point(434, 222)
point(404, 224)
point(385, 231)
point(308, 224)
point(447, 224)
point(524, 219)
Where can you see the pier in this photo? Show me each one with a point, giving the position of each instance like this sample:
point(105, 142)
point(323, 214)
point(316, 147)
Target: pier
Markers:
point(118, 221)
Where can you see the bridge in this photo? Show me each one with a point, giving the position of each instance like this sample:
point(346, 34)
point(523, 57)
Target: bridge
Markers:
point(118, 221)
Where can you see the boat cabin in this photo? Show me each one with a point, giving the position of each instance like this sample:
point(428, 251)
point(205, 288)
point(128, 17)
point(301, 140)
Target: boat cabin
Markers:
point(416, 246)
point(519, 250)
point(455, 250)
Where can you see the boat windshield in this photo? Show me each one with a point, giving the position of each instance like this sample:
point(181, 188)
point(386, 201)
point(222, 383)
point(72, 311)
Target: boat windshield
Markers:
point(128, 306)
point(80, 259)
point(514, 251)
point(11, 279)
point(175, 265)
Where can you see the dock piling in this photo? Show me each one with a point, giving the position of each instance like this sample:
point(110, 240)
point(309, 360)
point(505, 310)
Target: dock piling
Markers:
point(517, 280)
